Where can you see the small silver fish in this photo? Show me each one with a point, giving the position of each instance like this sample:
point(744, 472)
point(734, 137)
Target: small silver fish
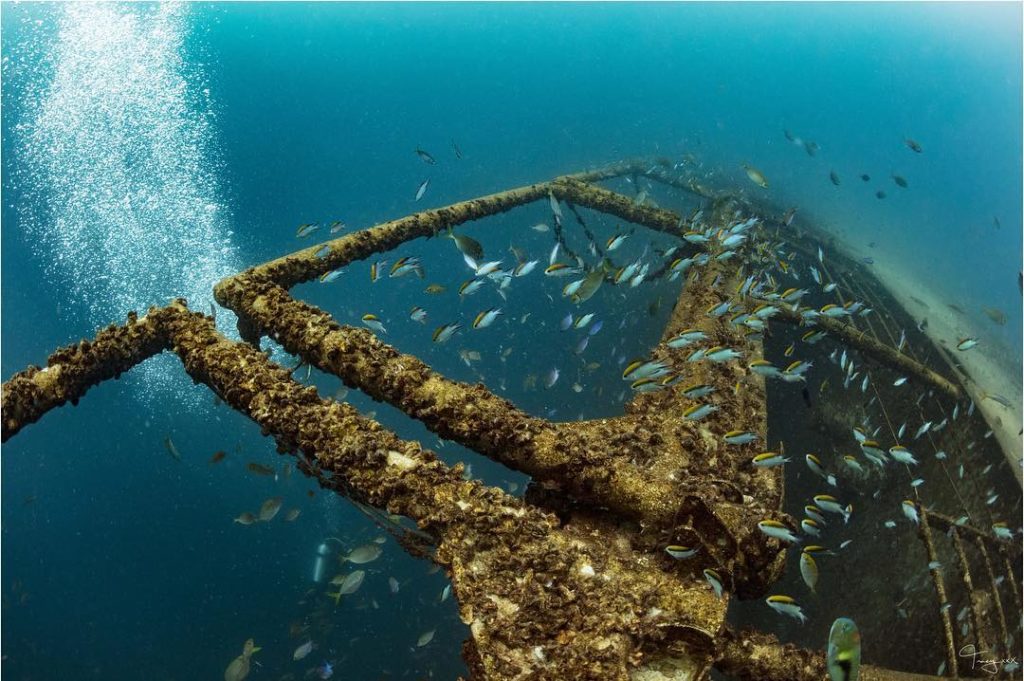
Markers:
point(329, 276)
point(695, 392)
point(445, 332)
point(615, 241)
point(373, 323)
point(808, 570)
point(422, 190)
point(680, 552)
point(739, 437)
point(303, 650)
point(786, 605)
point(769, 460)
point(486, 318)
point(699, 411)
point(902, 454)
point(775, 529)
point(966, 344)
point(910, 511)
point(714, 580)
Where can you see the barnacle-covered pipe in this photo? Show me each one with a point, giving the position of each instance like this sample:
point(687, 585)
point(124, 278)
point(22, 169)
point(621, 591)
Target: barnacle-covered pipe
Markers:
point(739, 494)
point(880, 352)
point(593, 461)
point(541, 601)
point(608, 463)
point(305, 264)
point(72, 370)
point(974, 603)
point(1004, 636)
point(603, 200)
point(924, 530)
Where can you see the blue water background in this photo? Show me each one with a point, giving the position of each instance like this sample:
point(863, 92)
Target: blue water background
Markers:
point(120, 563)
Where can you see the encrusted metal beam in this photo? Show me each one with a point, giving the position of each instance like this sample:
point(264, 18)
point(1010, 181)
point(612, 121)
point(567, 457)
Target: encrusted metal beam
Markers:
point(935, 569)
point(540, 600)
point(945, 523)
point(72, 370)
point(304, 265)
point(588, 593)
point(880, 352)
point(1004, 635)
point(739, 494)
point(641, 466)
point(595, 463)
point(613, 203)
point(973, 597)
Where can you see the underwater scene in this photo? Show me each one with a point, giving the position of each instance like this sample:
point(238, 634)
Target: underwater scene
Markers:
point(511, 341)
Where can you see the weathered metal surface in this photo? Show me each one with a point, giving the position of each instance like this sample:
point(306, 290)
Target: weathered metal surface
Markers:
point(935, 570)
point(71, 371)
point(974, 605)
point(878, 351)
point(644, 466)
point(1004, 634)
point(612, 203)
point(540, 600)
point(594, 461)
point(588, 593)
point(738, 494)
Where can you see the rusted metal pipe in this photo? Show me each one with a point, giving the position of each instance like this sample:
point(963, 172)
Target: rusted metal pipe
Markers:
point(575, 597)
point(70, 371)
point(940, 590)
point(996, 598)
point(878, 351)
point(973, 606)
point(541, 601)
point(305, 265)
point(641, 466)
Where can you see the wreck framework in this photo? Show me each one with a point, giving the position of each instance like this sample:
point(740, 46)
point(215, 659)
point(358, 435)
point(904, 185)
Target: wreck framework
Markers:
point(573, 581)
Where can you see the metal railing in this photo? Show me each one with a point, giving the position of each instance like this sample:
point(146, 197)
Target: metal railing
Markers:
point(575, 596)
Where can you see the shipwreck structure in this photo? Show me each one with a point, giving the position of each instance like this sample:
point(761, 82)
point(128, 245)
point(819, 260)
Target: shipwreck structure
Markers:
point(573, 582)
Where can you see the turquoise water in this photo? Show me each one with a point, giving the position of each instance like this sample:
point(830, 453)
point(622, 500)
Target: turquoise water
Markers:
point(150, 150)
